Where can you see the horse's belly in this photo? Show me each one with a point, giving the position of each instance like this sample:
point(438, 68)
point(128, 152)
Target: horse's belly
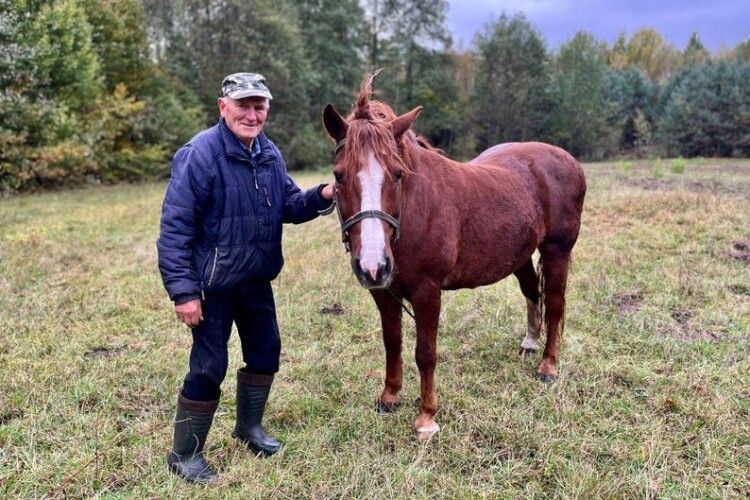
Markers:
point(460, 280)
point(474, 271)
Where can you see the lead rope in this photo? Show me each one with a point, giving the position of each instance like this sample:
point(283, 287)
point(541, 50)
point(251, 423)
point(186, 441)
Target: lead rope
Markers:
point(400, 301)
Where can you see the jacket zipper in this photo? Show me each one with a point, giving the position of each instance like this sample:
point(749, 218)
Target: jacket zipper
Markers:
point(260, 191)
point(213, 267)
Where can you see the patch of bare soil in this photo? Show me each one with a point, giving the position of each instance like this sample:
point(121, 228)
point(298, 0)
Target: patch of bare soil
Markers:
point(628, 301)
point(687, 332)
point(681, 315)
point(740, 250)
point(106, 352)
point(739, 289)
point(335, 310)
point(103, 352)
point(10, 414)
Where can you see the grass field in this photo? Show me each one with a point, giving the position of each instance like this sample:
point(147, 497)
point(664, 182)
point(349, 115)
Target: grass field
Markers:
point(653, 399)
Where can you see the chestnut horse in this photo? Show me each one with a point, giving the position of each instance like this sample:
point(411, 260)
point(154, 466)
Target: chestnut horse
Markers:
point(417, 223)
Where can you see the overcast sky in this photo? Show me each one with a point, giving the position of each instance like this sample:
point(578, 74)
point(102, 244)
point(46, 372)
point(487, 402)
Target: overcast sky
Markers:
point(720, 23)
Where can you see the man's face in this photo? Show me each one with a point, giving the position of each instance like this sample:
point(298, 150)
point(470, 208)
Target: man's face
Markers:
point(244, 117)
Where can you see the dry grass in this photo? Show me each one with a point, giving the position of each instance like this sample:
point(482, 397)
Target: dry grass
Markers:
point(653, 398)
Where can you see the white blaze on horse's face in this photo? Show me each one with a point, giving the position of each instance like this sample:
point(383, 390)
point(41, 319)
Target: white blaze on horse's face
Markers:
point(372, 234)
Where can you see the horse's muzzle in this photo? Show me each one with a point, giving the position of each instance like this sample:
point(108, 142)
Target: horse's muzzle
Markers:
point(382, 276)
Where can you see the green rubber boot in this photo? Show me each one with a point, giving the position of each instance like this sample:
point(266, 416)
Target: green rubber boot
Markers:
point(192, 423)
point(252, 394)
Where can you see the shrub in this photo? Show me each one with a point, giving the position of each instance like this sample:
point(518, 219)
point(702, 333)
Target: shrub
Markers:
point(677, 165)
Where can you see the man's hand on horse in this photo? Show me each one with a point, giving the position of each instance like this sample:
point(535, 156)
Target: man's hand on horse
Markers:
point(189, 313)
point(327, 192)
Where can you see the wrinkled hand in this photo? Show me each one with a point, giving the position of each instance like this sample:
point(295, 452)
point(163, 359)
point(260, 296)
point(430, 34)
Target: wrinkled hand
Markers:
point(327, 192)
point(189, 313)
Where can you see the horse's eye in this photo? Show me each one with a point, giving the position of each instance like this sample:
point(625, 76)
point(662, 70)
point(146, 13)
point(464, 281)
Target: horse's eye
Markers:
point(339, 177)
point(398, 175)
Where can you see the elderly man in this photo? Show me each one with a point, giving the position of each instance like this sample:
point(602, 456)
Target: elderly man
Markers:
point(219, 248)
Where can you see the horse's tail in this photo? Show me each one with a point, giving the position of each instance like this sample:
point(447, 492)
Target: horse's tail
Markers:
point(540, 301)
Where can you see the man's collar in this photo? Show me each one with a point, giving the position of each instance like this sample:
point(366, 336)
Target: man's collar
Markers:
point(255, 147)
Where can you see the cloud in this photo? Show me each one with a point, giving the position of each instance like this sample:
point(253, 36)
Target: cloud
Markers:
point(719, 23)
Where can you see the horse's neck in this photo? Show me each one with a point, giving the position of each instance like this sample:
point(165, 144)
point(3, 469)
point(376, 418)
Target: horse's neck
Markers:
point(432, 174)
point(432, 169)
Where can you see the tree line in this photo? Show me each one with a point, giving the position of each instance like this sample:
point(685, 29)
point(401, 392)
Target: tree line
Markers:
point(106, 90)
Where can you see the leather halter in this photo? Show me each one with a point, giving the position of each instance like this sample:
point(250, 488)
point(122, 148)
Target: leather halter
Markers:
point(369, 214)
point(364, 214)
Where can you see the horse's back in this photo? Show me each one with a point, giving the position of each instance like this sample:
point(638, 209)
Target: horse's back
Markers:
point(488, 155)
point(559, 182)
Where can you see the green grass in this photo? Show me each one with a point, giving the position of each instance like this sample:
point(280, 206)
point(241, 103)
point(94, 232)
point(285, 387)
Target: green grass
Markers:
point(656, 169)
point(653, 399)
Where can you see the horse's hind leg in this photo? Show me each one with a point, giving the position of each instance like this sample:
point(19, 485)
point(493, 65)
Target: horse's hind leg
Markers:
point(529, 282)
point(555, 262)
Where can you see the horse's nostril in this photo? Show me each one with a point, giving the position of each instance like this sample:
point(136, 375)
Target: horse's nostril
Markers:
point(375, 274)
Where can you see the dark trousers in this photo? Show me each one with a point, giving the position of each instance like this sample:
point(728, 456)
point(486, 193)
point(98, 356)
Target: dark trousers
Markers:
point(252, 309)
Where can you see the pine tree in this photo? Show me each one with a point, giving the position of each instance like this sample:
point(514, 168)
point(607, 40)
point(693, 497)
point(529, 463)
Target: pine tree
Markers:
point(695, 52)
point(629, 93)
point(707, 112)
point(334, 34)
point(579, 119)
point(511, 101)
point(641, 129)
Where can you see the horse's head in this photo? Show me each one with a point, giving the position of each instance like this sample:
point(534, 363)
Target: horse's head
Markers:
point(370, 162)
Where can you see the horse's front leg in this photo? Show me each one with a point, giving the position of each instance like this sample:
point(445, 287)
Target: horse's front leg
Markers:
point(426, 302)
point(390, 319)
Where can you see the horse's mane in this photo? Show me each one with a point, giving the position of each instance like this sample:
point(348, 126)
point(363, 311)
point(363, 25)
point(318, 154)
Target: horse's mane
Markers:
point(369, 125)
point(424, 143)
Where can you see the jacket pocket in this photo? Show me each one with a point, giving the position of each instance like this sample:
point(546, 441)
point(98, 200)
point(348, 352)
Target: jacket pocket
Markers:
point(214, 268)
point(270, 260)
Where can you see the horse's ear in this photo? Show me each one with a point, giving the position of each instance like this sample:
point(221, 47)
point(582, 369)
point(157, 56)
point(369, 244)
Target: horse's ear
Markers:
point(402, 123)
point(334, 123)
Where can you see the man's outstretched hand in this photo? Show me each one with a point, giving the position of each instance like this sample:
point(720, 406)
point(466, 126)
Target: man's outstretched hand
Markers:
point(327, 192)
point(189, 313)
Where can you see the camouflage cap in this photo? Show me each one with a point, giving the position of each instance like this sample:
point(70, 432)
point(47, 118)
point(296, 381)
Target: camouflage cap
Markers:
point(241, 85)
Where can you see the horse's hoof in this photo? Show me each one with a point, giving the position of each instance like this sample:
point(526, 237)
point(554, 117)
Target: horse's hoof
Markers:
point(546, 378)
point(523, 352)
point(382, 407)
point(426, 432)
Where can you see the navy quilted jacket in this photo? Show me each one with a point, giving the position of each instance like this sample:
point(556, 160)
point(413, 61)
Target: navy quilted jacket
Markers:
point(223, 212)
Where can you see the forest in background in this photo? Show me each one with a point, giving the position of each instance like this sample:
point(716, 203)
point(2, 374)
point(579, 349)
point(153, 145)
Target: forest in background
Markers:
point(105, 90)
